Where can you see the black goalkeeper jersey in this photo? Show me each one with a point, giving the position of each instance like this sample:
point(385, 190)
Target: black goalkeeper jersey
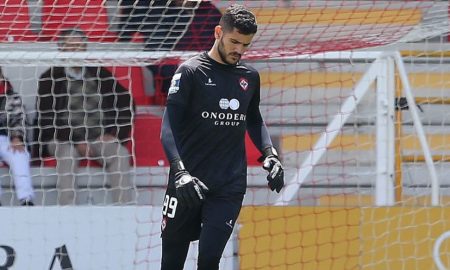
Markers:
point(209, 107)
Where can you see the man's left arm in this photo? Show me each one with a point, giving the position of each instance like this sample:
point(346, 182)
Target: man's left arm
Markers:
point(16, 118)
point(260, 136)
point(121, 113)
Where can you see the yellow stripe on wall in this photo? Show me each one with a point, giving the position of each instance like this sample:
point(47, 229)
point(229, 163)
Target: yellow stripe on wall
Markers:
point(402, 237)
point(305, 142)
point(330, 16)
point(307, 80)
point(425, 53)
point(292, 238)
point(361, 200)
point(295, 238)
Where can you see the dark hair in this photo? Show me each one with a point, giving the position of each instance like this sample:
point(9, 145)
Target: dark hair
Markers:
point(72, 32)
point(239, 17)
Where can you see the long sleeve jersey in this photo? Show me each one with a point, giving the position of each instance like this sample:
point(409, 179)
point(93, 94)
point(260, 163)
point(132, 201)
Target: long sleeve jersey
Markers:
point(209, 108)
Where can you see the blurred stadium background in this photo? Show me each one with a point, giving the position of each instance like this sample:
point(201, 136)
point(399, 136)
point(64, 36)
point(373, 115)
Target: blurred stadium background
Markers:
point(365, 189)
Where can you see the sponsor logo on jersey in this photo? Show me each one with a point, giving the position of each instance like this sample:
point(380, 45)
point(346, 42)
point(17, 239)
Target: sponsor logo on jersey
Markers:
point(226, 104)
point(243, 82)
point(226, 118)
point(210, 82)
point(175, 83)
point(229, 223)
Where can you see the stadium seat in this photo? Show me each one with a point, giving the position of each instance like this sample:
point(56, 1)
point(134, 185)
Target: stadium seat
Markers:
point(148, 148)
point(88, 15)
point(51, 162)
point(163, 71)
point(253, 153)
point(15, 21)
point(132, 79)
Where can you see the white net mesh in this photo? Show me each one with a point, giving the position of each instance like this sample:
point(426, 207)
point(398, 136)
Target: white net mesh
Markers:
point(310, 54)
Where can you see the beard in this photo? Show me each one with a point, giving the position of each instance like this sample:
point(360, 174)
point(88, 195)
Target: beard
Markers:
point(223, 54)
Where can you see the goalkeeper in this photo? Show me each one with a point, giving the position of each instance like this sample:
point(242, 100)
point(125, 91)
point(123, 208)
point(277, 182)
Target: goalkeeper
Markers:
point(213, 100)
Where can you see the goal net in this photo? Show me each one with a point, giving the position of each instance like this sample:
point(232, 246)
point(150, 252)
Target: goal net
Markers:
point(355, 95)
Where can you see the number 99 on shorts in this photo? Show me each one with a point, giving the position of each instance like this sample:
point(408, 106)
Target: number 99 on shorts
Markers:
point(169, 206)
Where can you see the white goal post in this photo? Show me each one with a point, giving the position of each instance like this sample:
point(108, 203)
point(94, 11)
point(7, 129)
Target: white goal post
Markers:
point(382, 73)
point(436, 250)
point(342, 84)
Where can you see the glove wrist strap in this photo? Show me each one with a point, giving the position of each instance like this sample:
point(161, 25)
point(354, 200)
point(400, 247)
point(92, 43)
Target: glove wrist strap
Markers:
point(270, 151)
point(177, 167)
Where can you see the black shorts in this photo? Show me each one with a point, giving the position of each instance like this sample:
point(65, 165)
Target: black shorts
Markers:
point(180, 223)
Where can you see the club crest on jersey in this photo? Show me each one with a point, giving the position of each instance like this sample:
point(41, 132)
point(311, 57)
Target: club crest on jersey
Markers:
point(175, 83)
point(243, 82)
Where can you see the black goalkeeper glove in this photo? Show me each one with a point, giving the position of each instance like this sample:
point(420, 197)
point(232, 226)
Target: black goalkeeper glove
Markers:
point(272, 164)
point(190, 190)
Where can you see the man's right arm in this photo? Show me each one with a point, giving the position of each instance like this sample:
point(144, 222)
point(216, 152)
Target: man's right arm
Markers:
point(189, 189)
point(173, 118)
point(16, 115)
point(45, 108)
point(167, 136)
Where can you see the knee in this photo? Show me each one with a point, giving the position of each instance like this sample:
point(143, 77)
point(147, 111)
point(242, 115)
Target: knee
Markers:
point(62, 150)
point(65, 155)
point(208, 262)
point(18, 161)
point(123, 153)
point(119, 158)
point(173, 255)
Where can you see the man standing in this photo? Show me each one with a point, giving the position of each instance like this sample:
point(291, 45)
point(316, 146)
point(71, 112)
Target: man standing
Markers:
point(83, 112)
point(12, 141)
point(213, 100)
